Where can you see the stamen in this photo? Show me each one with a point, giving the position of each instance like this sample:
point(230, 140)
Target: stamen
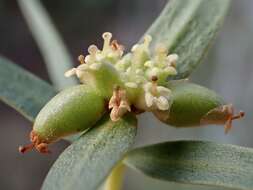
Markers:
point(239, 115)
point(161, 52)
point(131, 85)
point(172, 59)
point(116, 46)
point(93, 49)
point(154, 85)
point(135, 47)
point(162, 103)
point(147, 40)
point(171, 70)
point(119, 104)
point(228, 124)
point(154, 78)
point(138, 71)
point(107, 36)
point(95, 66)
point(148, 64)
point(81, 59)
point(70, 72)
point(149, 98)
point(23, 149)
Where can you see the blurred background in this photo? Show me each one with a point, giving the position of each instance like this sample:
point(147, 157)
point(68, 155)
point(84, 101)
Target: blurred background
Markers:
point(227, 70)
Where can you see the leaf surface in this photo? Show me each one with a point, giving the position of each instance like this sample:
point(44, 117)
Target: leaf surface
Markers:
point(57, 58)
point(86, 163)
point(196, 162)
point(188, 28)
point(22, 90)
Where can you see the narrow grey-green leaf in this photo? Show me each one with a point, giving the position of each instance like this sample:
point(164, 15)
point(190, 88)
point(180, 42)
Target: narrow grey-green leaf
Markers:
point(196, 162)
point(187, 28)
point(55, 54)
point(86, 163)
point(22, 90)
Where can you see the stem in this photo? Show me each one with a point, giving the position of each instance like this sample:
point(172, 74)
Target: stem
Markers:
point(115, 179)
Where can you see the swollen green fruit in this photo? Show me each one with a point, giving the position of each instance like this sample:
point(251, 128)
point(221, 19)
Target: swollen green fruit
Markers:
point(73, 110)
point(194, 105)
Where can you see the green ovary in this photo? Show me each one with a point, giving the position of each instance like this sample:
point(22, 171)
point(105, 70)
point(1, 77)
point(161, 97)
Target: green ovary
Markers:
point(190, 102)
point(73, 110)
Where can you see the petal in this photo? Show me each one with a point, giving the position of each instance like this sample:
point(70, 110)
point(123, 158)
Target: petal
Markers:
point(95, 66)
point(83, 67)
point(131, 84)
point(162, 103)
point(88, 59)
point(99, 57)
point(149, 99)
point(114, 114)
point(147, 87)
point(125, 105)
point(154, 72)
point(171, 70)
point(112, 102)
point(134, 48)
point(139, 71)
point(70, 72)
point(149, 63)
point(80, 73)
point(163, 91)
point(172, 58)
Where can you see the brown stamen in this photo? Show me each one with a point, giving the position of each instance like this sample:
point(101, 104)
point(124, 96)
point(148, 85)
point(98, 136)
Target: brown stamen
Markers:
point(116, 46)
point(36, 143)
point(154, 78)
point(81, 59)
point(223, 115)
point(23, 149)
point(239, 115)
point(154, 85)
point(228, 124)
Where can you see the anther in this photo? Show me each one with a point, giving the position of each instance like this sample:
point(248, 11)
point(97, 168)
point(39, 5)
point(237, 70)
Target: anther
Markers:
point(239, 115)
point(23, 149)
point(228, 124)
point(81, 59)
point(147, 40)
point(154, 78)
point(107, 38)
point(114, 45)
point(161, 49)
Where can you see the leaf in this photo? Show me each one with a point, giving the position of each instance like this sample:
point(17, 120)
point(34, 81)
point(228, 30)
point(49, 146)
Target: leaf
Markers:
point(196, 162)
point(86, 163)
point(187, 28)
point(22, 90)
point(55, 54)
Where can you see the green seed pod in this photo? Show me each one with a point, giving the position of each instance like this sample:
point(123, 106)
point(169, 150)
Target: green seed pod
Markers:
point(73, 110)
point(194, 105)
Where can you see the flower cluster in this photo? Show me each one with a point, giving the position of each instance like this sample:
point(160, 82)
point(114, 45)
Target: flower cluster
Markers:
point(138, 78)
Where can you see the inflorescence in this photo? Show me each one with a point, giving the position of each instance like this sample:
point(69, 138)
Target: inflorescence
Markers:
point(139, 78)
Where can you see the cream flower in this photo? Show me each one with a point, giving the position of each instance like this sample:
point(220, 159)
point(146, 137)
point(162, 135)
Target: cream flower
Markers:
point(141, 74)
point(157, 96)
